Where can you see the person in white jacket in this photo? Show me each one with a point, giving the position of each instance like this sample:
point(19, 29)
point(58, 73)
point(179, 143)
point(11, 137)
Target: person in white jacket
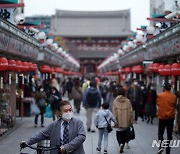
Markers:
point(101, 124)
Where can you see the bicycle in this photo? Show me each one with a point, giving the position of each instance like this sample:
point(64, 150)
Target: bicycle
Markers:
point(39, 149)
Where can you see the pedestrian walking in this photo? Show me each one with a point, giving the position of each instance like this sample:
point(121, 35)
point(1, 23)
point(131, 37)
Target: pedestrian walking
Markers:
point(91, 102)
point(67, 132)
point(111, 95)
point(150, 107)
point(69, 86)
point(77, 95)
point(41, 102)
point(134, 95)
point(123, 112)
point(142, 112)
point(102, 117)
point(55, 99)
point(166, 102)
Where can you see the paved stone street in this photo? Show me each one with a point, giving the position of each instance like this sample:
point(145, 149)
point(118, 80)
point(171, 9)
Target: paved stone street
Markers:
point(145, 133)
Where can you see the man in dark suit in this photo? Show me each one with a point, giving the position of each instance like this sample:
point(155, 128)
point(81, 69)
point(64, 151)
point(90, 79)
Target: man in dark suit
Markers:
point(68, 133)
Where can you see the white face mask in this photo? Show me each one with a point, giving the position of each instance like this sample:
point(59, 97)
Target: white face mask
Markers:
point(135, 83)
point(142, 88)
point(67, 116)
point(152, 88)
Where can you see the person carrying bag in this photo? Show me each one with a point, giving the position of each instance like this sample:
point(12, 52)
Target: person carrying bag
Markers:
point(123, 112)
point(102, 121)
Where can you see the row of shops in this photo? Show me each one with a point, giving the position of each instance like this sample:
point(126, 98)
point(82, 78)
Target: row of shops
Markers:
point(23, 60)
point(156, 61)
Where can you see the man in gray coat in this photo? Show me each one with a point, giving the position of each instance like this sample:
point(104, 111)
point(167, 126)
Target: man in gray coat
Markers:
point(55, 132)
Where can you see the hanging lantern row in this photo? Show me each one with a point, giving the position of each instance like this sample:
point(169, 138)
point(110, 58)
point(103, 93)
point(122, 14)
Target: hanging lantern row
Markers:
point(138, 69)
point(17, 66)
point(165, 70)
point(48, 69)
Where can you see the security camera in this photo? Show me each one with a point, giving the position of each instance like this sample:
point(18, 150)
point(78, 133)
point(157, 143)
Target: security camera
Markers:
point(19, 18)
point(172, 15)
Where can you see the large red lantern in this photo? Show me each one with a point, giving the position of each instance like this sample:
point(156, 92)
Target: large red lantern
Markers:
point(127, 70)
point(161, 70)
point(138, 69)
point(18, 66)
point(167, 69)
point(45, 69)
point(3, 64)
point(155, 67)
point(175, 69)
point(11, 65)
point(25, 66)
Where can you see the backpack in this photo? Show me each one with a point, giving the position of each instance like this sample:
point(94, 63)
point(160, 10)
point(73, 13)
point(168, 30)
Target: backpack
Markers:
point(92, 97)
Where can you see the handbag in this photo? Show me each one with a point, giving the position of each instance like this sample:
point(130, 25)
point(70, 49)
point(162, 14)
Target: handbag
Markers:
point(48, 113)
point(109, 128)
point(131, 133)
point(34, 109)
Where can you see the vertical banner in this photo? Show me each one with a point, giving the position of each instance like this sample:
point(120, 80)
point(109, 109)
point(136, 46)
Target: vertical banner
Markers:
point(1, 82)
point(16, 78)
point(46, 76)
point(157, 79)
point(10, 77)
point(28, 78)
point(23, 79)
point(140, 77)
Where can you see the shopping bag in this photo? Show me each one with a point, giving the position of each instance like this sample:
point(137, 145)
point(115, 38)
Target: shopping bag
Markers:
point(131, 133)
point(34, 109)
point(48, 113)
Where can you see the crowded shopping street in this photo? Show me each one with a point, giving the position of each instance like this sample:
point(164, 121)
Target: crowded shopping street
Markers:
point(145, 134)
point(89, 77)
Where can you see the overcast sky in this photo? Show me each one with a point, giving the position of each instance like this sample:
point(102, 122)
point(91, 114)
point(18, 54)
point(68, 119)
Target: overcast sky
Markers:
point(139, 8)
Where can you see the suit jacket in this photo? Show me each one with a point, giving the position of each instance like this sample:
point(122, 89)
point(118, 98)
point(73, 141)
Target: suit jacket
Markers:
point(76, 136)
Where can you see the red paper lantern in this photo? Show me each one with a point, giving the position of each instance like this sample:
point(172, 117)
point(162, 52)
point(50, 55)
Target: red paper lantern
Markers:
point(155, 67)
point(3, 64)
point(167, 69)
point(45, 69)
point(161, 69)
point(25, 66)
point(127, 70)
point(175, 69)
point(11, 65)
point(18, 66)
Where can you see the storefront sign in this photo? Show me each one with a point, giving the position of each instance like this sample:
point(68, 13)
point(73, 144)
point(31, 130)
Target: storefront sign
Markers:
point(7, 14)
point(165, 49)
point(4, 41)
point(132, 59)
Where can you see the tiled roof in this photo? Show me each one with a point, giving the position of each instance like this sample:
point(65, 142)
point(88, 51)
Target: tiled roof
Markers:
point(91, 23)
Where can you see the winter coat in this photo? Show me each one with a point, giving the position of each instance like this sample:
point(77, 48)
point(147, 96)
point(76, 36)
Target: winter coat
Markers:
point(134, 94)
point(100, 121)
point(38, 96)
point(55, 100)
point(85, 98)
point(166, 102)
point(123, 112)
point(150, 107)
point(109, 99)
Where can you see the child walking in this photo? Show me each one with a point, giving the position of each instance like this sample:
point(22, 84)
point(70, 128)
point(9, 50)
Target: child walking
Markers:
point(101, 124)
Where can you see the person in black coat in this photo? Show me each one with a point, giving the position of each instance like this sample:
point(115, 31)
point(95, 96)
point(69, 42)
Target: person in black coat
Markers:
point(150, 106)
point(143, 102)
point(55, 99)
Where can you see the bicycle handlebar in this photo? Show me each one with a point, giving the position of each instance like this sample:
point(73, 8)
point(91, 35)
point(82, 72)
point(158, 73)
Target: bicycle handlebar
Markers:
point(42, 148)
